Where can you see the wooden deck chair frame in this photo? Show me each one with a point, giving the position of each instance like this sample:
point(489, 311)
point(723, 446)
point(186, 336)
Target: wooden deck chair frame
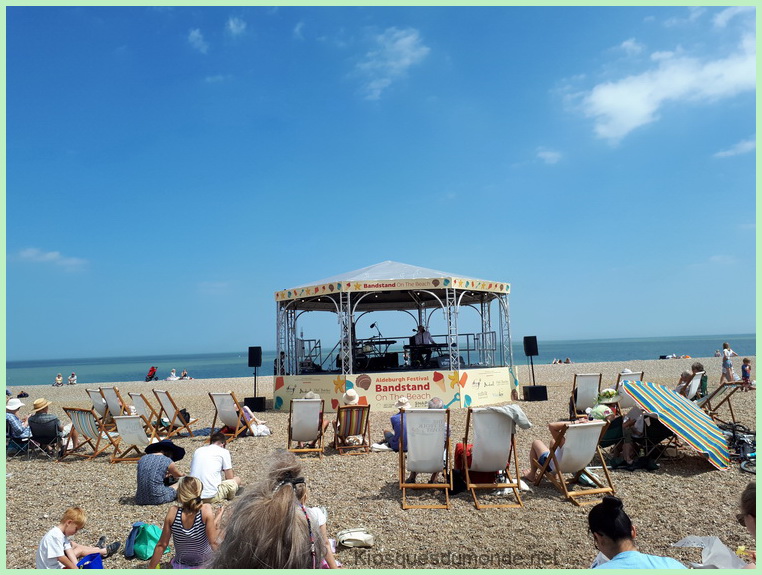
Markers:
point(144, 408)
point(91, 430)
point(352, 420)
point(443, 459)
point(132, 437)
point(497, 427)
point(297, 435)
point(625, 401)
point(100, 407)
point(114, 402)
point(556, 476)
point(723, 393)
point(230, 414)
point(176, 423)
point(584, 382)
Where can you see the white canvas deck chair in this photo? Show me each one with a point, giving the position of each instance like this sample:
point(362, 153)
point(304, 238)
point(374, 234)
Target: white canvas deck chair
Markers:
point(352, 421)
point(92, 432)
point(585, 391)
point(114, 402)
point(171, 412)
point(144, 409)
point(580, 445)
point(99, 406)
point(305, 426)
point(493, 445)
point(625, 401)
point(132, 437)
point(425, 448)
point(230, 415)
point(693, 386)
point(719, 397)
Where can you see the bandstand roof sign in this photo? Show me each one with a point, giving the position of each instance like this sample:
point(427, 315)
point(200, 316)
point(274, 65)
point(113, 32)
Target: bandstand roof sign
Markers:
point(394, 285)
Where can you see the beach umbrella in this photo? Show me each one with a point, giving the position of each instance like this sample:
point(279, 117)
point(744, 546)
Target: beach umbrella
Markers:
point(683, 417)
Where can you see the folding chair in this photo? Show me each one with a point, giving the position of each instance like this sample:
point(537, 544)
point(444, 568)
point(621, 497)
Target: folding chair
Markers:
point(144, 409)
point(657, 437)
point(92, 431)
point(694, 384)
point(132, 437)
point(305, 425)
point(493, 445)
point(230, 413)
point(625, 401)
point(719, 397)
point(114, 402)
point(15, 446)
point(100, 407)
point(45, 439)
point(613, 436)
point(580, 444)
point(352, 421)
point(172, 413)
point(425, 448)
point(585, 392)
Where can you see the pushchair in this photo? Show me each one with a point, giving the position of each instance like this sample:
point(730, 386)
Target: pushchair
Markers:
point(151, 375)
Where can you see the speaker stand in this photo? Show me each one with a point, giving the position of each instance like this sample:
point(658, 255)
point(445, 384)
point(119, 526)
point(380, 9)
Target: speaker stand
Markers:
point(531, 362)
point(255, 403)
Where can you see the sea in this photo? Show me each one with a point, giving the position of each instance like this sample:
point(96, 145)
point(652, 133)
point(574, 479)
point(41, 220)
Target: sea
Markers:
point(235, 364)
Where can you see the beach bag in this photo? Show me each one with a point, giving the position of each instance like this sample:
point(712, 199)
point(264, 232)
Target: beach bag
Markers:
point(129, 546)
point(184, 416)
point(92, 561)
point(146, 540)
point(355, 537)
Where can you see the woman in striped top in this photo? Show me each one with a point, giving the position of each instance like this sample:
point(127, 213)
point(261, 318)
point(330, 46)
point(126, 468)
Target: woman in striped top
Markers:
point(193, 528)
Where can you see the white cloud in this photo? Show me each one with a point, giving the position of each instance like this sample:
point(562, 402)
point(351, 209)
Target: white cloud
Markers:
point(35, 255)
point(665, 55)
point(235, 26)
point(694, 13)
point(620, 106)
point(298, 31)
point(548, 156)
point(721, 20)
point(742, 147)
point(396, 52)
point(631, 47)
point(196, 39)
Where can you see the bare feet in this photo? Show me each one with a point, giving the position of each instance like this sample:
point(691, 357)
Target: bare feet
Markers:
point(528, 476)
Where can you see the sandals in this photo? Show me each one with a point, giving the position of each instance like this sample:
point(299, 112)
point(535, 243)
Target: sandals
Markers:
point(111, 549)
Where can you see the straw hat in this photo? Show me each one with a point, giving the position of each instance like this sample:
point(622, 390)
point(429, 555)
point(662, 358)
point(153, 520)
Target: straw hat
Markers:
point(311, 395)
point(625, 371)
point(402, 403)
point(14, 404)
point(40, 404)
point(166, 445)
point(350, 397)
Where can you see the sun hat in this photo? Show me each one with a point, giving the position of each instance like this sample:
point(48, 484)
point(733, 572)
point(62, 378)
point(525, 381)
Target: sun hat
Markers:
point(600, 411)
point(625, 371)
point(13, 404)
point(608, 395)
point(166, 445)
point(350, 397)
point(311, 395)
point(402, 403)
point(39, 404)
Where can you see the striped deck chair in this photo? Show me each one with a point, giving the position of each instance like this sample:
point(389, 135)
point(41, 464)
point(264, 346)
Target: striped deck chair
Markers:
point(99, 406)
point(425, 448)
point(625, 401)
point(352, 421)
point(711, 403)
point(132, 437)
point(305, 426)
point(585, 392)
point(114, 402)
point(494, 443)
point(91, 432)
point(580, 444)
point(230, 414)
point(144, 409)
point(171, 412)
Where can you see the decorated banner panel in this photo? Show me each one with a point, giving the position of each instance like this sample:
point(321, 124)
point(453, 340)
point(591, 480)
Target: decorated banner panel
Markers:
point(472, 387)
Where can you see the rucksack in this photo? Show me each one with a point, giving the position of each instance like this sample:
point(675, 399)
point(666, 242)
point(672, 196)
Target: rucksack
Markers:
point(129, 546)
point(146, 539)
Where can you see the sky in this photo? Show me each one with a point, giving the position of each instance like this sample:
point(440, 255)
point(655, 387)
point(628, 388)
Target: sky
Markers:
point(169, 169)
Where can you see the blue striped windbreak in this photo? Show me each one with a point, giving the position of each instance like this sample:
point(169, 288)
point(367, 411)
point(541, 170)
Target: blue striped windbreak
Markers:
point(683, 417)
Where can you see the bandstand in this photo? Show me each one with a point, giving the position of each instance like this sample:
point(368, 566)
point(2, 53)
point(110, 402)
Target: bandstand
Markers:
point(463, 369)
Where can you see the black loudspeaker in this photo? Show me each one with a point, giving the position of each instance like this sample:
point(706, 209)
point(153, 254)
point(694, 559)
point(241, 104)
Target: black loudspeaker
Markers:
point(254, 403)
point(535, 393)
point(530, 345)
point(255, 356)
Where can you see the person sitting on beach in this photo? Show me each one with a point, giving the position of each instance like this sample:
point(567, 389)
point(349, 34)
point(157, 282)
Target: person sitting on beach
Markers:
point(209, 464)
point(540, 452)
point(155, 472)
point(172, 375)
point(270, 527)
point(57, 551)
point(392, 436)
point(41, 416)
point(59, 381)
point(184, 375)
point(192, 526)
point(684, 383)
point(614, 534)
point(350, 397)
point(72, 378)
point(18, 427)
point(748, 518)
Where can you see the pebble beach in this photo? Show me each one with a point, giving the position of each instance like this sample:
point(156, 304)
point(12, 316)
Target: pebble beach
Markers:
point(685, 496)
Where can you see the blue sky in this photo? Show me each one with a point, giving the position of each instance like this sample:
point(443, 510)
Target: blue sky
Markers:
point(169, 169)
